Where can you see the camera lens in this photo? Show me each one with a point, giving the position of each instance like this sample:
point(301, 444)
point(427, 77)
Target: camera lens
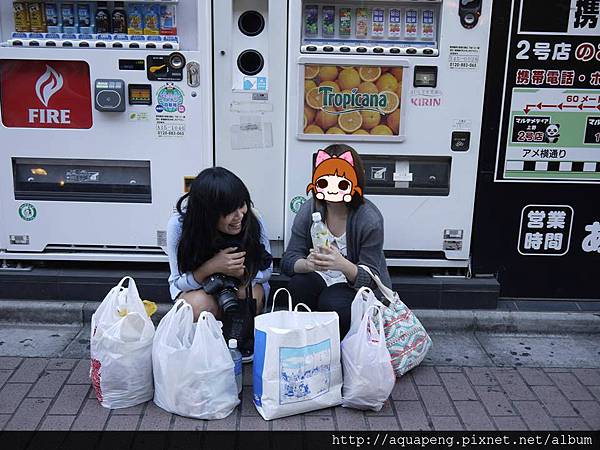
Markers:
point(251, 23)
point(228, 301)
point(250, 62)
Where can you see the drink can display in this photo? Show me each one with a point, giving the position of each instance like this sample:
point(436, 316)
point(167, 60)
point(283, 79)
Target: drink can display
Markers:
point(394, 23)
point(102, 18)
point(119, 19)
point(168, 19)
point(328, 21)
point(411, 20)
point(345, 28)
point(311, 20)
point(69, 18)
point(378, 22)
point(151, 19)
point(428, 24)
point(135, 16)
point(362, 22)
point(37, 18)
point(85, 18)
point(21, 15)
point(53, 23)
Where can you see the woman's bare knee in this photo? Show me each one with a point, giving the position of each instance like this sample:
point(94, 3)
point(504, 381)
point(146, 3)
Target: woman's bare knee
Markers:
point(201, 301)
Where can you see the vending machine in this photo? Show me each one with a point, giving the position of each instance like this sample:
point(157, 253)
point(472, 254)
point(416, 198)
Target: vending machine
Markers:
point(403, 83)
point(105, 116)
point(250, 101)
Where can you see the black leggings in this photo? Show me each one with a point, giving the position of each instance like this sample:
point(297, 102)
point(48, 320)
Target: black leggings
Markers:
point(311, 289)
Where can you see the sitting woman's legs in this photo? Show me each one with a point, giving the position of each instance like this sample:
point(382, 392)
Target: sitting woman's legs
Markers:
point(201, 301)
point(338, 298)
point(304, 288)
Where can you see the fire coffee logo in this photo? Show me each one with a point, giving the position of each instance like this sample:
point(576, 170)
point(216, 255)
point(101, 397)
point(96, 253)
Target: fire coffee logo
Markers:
point(45, 87)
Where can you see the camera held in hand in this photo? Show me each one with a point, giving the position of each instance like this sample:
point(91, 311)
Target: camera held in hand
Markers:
point(225, 289)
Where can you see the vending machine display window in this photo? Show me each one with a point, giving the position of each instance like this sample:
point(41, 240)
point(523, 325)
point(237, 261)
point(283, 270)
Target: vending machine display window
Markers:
point(352, 102)
point(377, 27)
point(82, 180)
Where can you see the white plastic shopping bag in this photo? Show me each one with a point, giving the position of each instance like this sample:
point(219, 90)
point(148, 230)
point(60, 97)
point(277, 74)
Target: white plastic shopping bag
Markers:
point(368, 373)
point(121, 349)
point(297, 364)
point(193, 370)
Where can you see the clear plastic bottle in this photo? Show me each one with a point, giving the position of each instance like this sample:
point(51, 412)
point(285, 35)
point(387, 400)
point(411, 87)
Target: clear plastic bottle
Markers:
point(237, 361)
point(318, 232)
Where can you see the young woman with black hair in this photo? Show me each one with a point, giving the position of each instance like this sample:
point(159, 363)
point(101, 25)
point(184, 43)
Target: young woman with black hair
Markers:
point(214, 230)
point(326, 279)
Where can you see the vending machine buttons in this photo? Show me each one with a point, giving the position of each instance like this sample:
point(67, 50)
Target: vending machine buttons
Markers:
point(460, 141)
point(377, 50)
point(395, 51)
point(411, 51)
point(361, 49)
point(109, 95)
point(311, 48)
point(345, 49)
point(327, 48)
point(425, 76)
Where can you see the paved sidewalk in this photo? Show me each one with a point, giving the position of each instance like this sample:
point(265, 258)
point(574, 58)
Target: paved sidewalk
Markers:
point(470, 381)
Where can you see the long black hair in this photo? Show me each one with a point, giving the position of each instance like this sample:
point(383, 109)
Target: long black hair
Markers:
point(214, 193)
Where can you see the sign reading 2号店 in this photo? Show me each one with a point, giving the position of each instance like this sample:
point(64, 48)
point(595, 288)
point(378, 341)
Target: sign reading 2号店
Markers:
point(550, 128)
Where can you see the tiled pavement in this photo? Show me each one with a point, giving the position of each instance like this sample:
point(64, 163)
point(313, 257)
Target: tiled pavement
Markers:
point(55, 394)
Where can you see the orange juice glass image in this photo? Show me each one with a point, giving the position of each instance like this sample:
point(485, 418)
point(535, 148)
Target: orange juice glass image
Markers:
point(348, 100)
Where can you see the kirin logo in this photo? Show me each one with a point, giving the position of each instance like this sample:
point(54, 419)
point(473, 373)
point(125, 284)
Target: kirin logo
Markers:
point(45, 87)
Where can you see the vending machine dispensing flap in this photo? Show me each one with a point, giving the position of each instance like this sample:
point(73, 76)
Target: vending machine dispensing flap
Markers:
point(45, 94)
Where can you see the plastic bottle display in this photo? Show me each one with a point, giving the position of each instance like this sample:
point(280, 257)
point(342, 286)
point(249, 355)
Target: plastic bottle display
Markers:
point(377, 22)
point(311, 20)
point(85, 18)
point(328, 21)
point(345, 22)
point(103, 18)
point(119, 18)
point(237, 361)
point(53, 19)
point(168, 20)
point(318, 232)
point(135, 18)
point(362, 22)
point(394, 23)
point(37, 17)
point(151, 19)
point(68, 18)
point(21, 15)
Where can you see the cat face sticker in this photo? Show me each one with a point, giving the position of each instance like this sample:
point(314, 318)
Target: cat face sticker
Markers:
point(334, 178)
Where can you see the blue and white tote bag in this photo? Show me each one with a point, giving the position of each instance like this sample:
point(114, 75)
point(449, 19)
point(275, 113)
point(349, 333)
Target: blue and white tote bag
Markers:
point(297, 361)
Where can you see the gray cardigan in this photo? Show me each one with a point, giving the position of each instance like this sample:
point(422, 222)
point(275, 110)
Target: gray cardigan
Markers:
point(364, 234)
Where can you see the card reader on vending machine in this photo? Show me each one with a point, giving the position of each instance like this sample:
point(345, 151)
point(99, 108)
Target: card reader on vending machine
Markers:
point(109, 95)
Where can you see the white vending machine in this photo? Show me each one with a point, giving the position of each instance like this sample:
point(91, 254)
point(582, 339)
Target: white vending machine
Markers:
point(250, 101)
point(105, 115)
point(403, 83)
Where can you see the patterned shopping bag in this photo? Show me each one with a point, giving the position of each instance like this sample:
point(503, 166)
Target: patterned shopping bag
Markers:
point(406, 338)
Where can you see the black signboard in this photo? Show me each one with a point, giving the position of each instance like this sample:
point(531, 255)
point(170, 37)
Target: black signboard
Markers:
point(539, 164)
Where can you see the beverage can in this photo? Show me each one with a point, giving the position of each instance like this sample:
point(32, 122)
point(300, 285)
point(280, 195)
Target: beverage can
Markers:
point(394, 23)
point(411, 19)
point(362, 22)
point(69, 19)
point(53, 21)
point(151, 19)
point(37, 18)
point(328, 21)
point(428, 24)
point(377, 22)
point(345, 28)
point(135, 16)
point(119, 19)
point(21, 15)
point(102, 18)
point(85, 18)
point(168, 20)
point(311, 20)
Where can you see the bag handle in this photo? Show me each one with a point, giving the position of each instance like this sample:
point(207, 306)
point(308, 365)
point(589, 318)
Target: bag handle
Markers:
point(207, 320)
point(275, 297)
point(386, 291)
point(181, 323)
point(304, 305)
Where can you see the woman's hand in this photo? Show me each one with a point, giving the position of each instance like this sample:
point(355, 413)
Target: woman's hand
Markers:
point(227, 261)
point(330, 258)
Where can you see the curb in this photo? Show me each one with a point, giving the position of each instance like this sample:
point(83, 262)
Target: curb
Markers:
point(80, 313)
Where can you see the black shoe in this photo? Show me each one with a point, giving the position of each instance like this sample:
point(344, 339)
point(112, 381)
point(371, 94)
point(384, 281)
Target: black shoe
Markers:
point(247, 355)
